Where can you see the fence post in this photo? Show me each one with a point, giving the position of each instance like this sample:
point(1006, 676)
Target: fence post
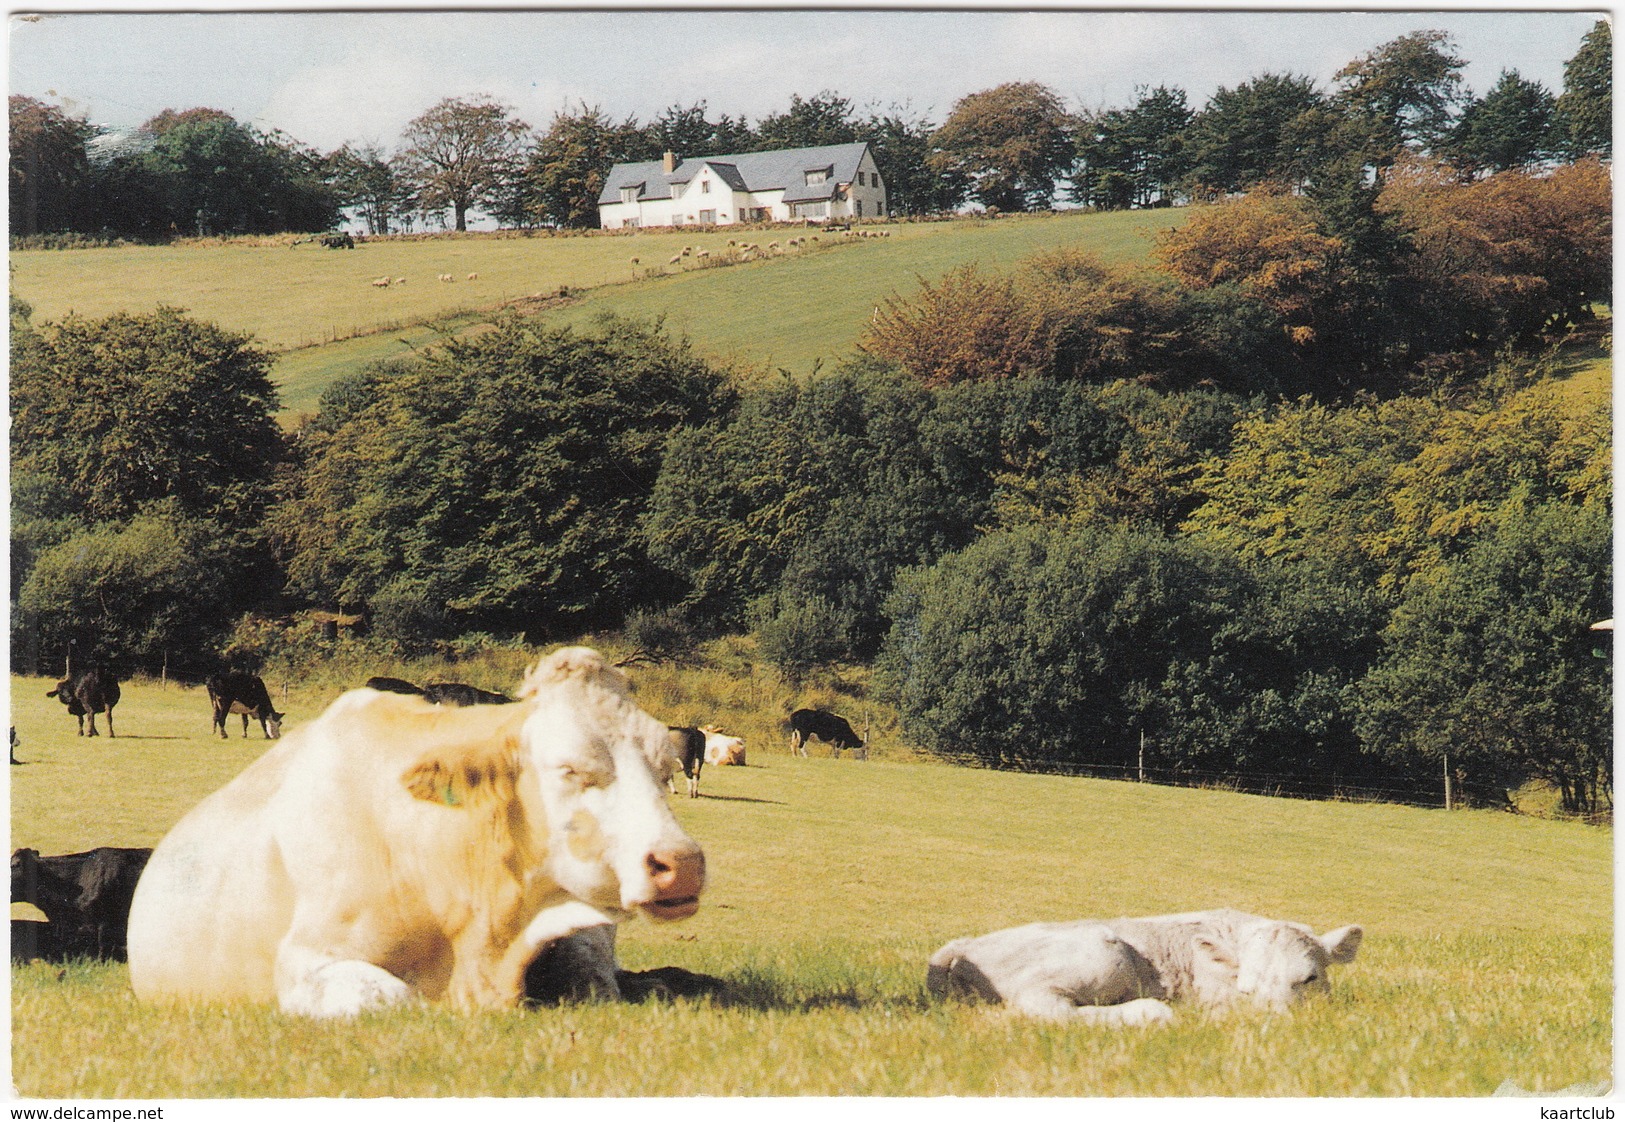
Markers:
point(1142, 755)
point(1447, 793)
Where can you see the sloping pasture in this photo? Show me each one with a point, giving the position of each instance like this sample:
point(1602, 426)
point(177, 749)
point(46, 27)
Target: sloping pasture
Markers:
point(1487, 960)
point(318, 307)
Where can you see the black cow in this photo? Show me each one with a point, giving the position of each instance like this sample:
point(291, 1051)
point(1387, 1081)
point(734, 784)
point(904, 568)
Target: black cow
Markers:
point(441, 693)
point(234, 692)
point(687, 747)
point(455, 693)
point(394, 685)
point(87, 693)
point(85, 898)
point(14, 743)
point(805, 723)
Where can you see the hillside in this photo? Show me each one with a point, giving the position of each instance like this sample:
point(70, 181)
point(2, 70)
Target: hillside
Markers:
point(318, 307)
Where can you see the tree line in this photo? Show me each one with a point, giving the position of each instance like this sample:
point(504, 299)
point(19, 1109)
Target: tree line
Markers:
point(1016, 147)
point(1297, 500)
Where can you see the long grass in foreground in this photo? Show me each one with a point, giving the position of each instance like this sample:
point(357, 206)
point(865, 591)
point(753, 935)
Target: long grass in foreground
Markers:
point(1414, 1016)
point(1487, 956)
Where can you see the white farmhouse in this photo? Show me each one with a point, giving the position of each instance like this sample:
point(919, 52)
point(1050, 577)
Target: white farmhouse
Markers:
point(839, 181)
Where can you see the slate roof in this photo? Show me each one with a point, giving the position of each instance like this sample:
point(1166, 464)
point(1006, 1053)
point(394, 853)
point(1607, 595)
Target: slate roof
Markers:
point(746, 171)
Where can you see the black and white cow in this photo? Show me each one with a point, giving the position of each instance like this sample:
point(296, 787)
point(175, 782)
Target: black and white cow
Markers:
point(245, 694)
point(687, 751)
point(833, 730)
point(87, 693)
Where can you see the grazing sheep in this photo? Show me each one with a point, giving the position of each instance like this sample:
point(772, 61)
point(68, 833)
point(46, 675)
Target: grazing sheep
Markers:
point(687, 249)
point(381, 282)
point(400, 280)
point(703, 253)
point(473, 276)
point(678, 260)
point(445, 277)
point(634, 260)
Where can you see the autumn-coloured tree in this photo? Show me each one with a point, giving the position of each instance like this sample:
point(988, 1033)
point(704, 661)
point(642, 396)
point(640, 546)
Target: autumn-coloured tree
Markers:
point(49, 168)
point(969, 326)
point(460, 153)
point(1010, 145)
point(1268, 245)
point(1508, 255)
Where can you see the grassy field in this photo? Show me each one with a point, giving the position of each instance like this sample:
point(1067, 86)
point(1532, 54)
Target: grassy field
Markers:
point(1488, 954)
point(318, 308)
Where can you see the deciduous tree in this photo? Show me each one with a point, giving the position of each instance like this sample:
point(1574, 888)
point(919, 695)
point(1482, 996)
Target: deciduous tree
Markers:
point(50, 171)
point(461, 152)
point(497, 483)
point(1408, 87)
point(123, 411)
point(1009, 145)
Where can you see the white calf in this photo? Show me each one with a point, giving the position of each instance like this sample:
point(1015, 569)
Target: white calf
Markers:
point(1124, 971)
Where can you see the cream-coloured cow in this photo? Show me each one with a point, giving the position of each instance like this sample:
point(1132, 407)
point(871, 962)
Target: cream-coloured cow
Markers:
point(722, 750)
point(1124, 971)
point(392, 849)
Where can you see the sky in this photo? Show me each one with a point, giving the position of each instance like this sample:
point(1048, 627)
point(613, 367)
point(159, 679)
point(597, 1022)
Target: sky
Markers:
point(327, 78)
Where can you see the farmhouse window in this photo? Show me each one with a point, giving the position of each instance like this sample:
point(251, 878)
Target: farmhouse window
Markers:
point(705, 186)
point(814, 178)
point(708, 218)
point(629, 194)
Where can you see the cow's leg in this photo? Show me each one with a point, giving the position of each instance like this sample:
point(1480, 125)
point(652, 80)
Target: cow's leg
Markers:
point(312, 983)
point(110, 731)
point(1051, 1005)
point(798, 744)
point(245, 726)
point(92, 716)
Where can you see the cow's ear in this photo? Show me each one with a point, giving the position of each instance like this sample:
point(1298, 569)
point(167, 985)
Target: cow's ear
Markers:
point(1215, 951)
point(1343, 943)
point(465, 776)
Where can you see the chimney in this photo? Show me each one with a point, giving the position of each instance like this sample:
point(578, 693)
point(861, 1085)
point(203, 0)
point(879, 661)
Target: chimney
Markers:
point(669, 162)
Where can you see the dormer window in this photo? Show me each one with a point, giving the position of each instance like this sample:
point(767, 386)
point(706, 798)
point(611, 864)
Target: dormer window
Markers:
point(816, 176)
point(629, 194)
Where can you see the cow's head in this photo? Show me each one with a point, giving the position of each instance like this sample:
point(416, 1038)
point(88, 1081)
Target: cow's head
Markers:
point(273, 723)
point(1278, 963)
point(590, 751)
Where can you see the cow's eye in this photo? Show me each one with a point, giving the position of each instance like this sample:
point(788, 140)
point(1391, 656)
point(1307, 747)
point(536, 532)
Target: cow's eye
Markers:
point(582, 777)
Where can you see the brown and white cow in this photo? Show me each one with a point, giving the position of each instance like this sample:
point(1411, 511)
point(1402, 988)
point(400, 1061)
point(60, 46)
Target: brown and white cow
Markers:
point(1124, 971)
point(722, 750)
point(393, 850)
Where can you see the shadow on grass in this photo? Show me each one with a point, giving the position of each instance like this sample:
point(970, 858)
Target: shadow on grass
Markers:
point(766, 992)
point(742, 799)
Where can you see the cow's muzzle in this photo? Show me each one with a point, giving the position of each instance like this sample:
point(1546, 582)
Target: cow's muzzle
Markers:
point(677, 876)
